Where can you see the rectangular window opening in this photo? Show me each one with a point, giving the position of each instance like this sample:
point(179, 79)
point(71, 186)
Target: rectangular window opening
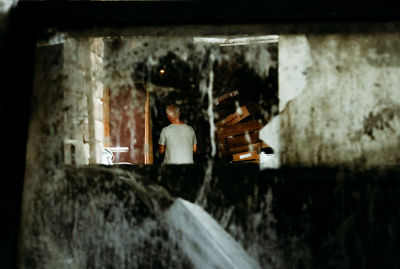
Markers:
point(110, 96)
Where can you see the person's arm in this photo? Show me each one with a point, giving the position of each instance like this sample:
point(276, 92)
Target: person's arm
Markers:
point(194, 141)
point(161, 148)
point(161, 142)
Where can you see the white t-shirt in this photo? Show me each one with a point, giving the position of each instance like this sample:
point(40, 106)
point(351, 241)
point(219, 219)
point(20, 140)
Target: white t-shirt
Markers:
point(178, 140)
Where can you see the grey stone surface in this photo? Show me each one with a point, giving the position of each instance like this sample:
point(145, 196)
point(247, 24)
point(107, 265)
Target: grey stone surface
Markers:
point(97, 217)
point(348, 111)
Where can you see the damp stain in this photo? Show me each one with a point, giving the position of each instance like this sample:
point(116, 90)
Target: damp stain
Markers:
point(383, 120)
point(385, 53)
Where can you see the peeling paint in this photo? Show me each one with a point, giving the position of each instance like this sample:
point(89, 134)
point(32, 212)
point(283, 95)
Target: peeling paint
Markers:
point(293, 67)
point(348, 114)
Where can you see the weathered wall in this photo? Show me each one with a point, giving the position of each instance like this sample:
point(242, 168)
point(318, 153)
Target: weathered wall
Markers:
point(66, 110)
point(341, 99)
point(65, 124)
point(82, 104)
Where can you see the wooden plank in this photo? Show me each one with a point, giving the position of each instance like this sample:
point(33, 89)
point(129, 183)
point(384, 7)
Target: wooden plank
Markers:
point(251, 161)
point(225, 97)
point(234, 118)
point(106, 117)
point(255, 148)
point(151, 157)
point(239, 128)
point(242, 140)
point(148, 143)
point(245, 156)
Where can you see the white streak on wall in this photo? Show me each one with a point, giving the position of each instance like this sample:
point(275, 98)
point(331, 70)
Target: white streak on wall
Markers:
point(210, 113)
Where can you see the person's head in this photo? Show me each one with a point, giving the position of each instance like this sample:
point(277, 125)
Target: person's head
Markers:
point(172, 113)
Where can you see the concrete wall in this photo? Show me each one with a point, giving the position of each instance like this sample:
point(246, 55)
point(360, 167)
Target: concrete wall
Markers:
point(82, 101)
point(339, 100)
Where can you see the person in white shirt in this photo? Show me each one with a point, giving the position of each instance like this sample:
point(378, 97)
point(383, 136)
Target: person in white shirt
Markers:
point(177, 140)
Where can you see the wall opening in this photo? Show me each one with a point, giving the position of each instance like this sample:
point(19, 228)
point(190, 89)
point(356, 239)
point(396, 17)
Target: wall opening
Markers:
point(114, 92)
